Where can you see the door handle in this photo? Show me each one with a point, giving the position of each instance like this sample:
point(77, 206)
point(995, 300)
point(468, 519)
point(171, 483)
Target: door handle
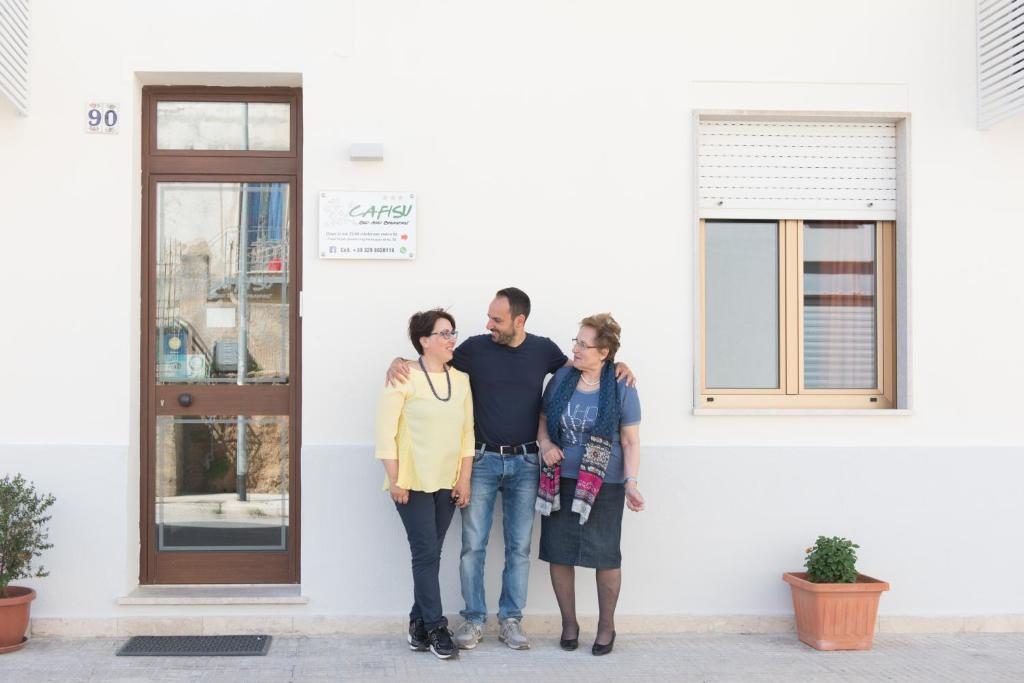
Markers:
point(185, 400)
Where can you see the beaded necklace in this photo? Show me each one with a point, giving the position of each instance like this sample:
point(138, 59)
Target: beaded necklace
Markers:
point(432, 389)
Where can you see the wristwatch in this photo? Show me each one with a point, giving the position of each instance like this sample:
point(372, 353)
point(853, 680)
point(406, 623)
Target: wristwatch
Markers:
point(630, 479)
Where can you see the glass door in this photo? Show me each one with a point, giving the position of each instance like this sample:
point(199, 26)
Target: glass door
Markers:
point(219, 500)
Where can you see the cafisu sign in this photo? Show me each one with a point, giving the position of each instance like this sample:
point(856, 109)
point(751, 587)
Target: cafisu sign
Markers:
point(367, 225)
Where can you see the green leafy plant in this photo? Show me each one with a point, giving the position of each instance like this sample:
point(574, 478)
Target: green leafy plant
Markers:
point(832, 560)
point(23, 530)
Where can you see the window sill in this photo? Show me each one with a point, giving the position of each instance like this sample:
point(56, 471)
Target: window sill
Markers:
point(248, 594)
point(799, 412)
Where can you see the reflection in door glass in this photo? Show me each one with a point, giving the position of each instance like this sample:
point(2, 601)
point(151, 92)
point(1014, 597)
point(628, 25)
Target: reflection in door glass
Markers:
point(222, 483)
point(223, 125)
point(222, 275)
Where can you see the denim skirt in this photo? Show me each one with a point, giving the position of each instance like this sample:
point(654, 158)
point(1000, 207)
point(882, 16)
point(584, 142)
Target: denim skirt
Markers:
point(563, 540)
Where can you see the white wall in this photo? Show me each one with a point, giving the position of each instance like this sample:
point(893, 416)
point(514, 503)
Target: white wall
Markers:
point(551, 144)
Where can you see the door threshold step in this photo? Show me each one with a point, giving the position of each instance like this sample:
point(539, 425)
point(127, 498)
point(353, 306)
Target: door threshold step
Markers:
point(219, 594)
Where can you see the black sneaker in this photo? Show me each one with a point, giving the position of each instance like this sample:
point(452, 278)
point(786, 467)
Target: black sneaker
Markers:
point(441, 643)
point(418, 639)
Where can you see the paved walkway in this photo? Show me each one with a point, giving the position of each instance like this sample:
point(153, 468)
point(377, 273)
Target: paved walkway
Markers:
point(686, 657)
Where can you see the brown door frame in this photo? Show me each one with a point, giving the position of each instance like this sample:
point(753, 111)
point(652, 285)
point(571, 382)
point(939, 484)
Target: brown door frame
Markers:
point(219, 166)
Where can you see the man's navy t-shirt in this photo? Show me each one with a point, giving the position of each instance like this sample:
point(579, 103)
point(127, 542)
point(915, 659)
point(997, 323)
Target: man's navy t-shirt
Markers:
point(507, 385)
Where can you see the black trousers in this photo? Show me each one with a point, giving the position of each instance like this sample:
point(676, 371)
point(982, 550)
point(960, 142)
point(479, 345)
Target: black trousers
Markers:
point(426, 518)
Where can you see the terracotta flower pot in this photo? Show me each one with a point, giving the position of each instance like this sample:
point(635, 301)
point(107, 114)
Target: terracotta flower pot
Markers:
point(14, 610)
point(835, 616)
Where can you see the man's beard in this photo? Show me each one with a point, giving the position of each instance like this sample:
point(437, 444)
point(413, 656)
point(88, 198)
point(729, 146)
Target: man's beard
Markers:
point(503, 338)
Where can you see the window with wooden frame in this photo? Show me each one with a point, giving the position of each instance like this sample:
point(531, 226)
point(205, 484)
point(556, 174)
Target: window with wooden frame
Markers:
point(797, 314)
point(798, 262)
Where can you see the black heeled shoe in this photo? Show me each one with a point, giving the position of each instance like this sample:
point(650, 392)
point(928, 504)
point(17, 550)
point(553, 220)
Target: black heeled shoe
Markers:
point(570, 644)
point(600, 649)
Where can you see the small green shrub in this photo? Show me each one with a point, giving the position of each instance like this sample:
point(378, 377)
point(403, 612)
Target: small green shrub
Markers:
point(23, 530)
point(832, 560)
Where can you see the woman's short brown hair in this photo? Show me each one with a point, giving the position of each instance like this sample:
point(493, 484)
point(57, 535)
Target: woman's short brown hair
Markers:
point(421, 324)
point(607, 332)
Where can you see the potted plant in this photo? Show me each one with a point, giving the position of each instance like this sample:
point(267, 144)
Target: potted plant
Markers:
point(835, 606)
point(23, 536)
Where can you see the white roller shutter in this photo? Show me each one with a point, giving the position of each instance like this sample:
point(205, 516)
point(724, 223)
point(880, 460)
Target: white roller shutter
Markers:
point(14, 52)
point(780, 169)
point(1000, 60)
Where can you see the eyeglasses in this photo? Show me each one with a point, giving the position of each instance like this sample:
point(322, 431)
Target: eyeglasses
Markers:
point(580, 344)
point(446, 334)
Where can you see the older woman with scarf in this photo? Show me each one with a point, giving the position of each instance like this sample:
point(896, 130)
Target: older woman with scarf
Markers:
point(589, 439)
point(425, 441)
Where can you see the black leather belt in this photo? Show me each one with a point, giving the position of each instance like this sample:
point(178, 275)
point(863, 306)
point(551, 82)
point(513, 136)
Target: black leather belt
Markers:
point(521, 449)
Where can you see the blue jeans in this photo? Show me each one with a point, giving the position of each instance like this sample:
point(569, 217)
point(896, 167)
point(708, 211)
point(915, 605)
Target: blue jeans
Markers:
point(516, 477)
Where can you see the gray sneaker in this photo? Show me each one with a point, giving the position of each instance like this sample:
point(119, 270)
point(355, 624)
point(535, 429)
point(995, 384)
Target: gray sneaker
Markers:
point(511, 634)
point(468, 634)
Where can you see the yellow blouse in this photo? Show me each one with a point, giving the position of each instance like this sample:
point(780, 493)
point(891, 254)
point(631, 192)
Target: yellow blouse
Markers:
point(427, 436)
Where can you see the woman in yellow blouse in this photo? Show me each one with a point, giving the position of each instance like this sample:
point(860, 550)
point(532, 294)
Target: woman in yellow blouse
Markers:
point(425, 441)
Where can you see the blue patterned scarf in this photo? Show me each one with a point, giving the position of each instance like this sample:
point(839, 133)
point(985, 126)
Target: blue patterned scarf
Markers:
point(598, 449)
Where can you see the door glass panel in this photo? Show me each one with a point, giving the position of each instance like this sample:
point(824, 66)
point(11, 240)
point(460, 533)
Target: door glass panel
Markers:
point(240, 126)
point(222, 276)
point(221, 483)
point(840, 350)
point(741, 305)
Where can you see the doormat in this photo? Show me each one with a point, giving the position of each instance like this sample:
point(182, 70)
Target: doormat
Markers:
point(195, 646)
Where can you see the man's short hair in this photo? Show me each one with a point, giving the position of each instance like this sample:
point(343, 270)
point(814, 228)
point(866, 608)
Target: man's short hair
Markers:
point(518, 302)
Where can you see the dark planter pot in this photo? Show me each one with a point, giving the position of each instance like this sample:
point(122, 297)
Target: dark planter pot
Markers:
point(14, 613)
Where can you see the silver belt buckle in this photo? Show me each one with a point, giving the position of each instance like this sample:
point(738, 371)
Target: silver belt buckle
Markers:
point(501, 450)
